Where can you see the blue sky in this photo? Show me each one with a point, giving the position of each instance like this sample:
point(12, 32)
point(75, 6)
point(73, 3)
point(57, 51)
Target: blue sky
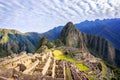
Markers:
point(43, 15)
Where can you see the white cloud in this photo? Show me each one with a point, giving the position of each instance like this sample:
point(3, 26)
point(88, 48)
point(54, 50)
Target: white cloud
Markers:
point(42, 15)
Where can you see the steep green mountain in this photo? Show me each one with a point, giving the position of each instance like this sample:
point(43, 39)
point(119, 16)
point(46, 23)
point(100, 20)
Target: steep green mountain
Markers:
point(13, 41)
point(33, 37)
point(71, 36)
point(97, 46)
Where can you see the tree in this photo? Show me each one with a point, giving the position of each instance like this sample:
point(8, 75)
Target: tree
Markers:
point(42, 42)
point(58, 43)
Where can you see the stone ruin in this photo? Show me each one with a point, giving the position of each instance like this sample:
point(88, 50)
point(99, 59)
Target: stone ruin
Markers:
point(40, 66)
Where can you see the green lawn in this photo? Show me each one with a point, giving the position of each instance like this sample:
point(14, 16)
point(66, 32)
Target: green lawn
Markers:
point(82, 67)
point(60, 56)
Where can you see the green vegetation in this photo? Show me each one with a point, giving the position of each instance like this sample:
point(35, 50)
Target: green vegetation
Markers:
point(2, 55)
point(105, 72)
point(4, 39)
point(82, 67)
point(104, 68)
point(59, 55)
point(116, 71)
point(12, 41)
point(58, 43)
point(68, 74)
point(9, 31)
point(50, 45)
point(42, 49)
point(44, 42)
point(93, 74)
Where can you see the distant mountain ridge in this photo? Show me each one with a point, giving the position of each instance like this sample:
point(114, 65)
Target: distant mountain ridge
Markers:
point(108, 29)
point(13, 41)
point(53, 34)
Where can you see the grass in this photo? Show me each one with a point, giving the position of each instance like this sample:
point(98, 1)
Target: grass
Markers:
point(60, 56)
point(93, 74)
point(82, 67)
point(104, 68)
point(68, 74)
point(4, 39)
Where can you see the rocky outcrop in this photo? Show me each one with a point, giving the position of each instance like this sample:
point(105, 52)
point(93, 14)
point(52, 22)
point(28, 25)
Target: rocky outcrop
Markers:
point(72, 37)
point(107, 28)
point(97, 46)
point(100, 47)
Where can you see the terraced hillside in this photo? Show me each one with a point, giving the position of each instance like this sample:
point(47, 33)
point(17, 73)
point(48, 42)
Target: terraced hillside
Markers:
point(53, 65)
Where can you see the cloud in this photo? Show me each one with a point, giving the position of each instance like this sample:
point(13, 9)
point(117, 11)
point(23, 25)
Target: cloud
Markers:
point(42, 15)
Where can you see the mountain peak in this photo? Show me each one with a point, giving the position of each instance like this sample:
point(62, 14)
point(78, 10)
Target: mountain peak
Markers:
point(69, 28)
point(69, 25)
point(10, 31)
point(71, 36)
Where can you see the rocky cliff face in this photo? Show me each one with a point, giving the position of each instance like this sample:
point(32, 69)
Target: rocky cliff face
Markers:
point(97, 46)
point(100, 47)
point(107, 28)
point(72, 37)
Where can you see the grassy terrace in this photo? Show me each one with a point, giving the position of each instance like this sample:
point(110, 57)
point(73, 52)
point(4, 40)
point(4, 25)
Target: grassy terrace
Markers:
point(104, 68)
point(60, 56)
point(68, 74)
